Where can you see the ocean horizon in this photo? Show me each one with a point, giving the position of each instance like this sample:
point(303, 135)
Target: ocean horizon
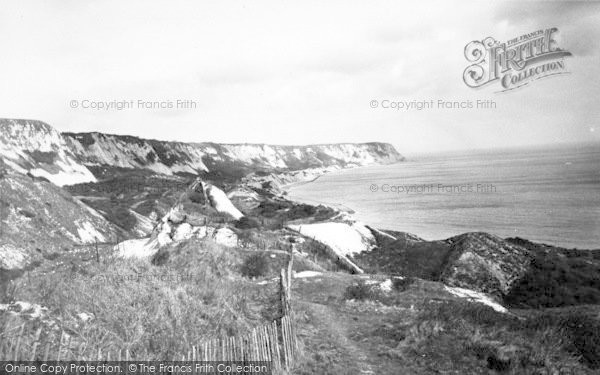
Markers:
point(544, 194)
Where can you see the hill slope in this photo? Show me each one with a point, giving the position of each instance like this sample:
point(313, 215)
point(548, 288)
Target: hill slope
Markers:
point(35, 147)
point(39, 219)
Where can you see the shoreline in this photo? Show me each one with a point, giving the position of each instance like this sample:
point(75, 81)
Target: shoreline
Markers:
point(343, 208)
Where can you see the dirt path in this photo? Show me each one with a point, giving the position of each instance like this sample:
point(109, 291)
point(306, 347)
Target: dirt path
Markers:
point(336, 336)
point(334, 327)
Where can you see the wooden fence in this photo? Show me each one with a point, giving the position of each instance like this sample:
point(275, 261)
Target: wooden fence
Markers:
point(275, 342)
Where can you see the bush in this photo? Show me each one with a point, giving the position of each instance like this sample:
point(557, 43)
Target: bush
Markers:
point(123, 218)
point(581, 331)
point(362, 291)
point(401, 284)
point(474, 335)
point(27, 214)
point(557, 279)
point(255, 265)
point(247, 223)
point(196, 197)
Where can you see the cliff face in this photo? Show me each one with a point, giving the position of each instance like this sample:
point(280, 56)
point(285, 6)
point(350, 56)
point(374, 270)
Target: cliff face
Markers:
point(34, 147)
point(172, 157)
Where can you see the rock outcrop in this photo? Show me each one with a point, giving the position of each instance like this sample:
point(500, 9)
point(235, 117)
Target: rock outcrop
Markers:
point(484, 262)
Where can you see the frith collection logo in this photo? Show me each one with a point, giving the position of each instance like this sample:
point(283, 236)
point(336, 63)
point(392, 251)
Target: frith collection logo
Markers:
point(516, 62)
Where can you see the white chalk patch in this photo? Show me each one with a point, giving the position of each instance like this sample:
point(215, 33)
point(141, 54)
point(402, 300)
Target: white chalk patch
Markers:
point(476, 297)
point(304, 274)
point(386, 286)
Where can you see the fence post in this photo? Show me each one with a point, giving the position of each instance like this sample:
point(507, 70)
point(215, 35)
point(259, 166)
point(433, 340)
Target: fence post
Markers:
point(18, 346)
point(60, 345)
point(284, 293)
point(286, 353)
point(289, 270)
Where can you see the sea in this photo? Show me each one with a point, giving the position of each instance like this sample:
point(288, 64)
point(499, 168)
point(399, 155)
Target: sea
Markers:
point(543, 194)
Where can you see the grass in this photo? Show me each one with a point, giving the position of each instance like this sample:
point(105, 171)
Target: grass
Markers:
point(444, 334)
point(155, 311)
point(557, 278)
point(255, 265)
point(43, 157)
point(505, 343)
point(402, 284)
point(424, 260)
point(283, 211)
point(320, 254)
point(362, 291)
point(125, 189)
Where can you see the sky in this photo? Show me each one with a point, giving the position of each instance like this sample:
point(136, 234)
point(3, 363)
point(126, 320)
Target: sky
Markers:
point(301, 72)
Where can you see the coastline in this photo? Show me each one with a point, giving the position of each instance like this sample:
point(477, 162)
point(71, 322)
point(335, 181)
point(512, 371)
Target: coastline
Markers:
point(449, 232)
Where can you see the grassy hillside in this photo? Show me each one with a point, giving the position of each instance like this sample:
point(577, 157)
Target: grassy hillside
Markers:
point(422, 329)
point(155, 309)
point(556, 277)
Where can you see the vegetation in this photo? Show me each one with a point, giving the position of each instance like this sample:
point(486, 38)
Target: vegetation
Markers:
point(127, 190)
point(403, 257)
point(246, 222)
point(155, 311)
point(288, 211)
point(362, 291)
point(123, 218)
point(402, 284)
point(196, 197)
point(471, 336)
point(223, 173)
point(557, 278)
point(43, 156)
point(255, 265)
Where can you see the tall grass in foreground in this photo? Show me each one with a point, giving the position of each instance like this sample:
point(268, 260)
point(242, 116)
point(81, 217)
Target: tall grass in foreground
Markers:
point(154, 311)
point(457, 335)
point(464, 332)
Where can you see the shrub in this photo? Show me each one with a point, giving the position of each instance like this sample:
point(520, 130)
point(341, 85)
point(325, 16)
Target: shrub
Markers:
point(557, 277)
point(362, 291)
point(401, 284)
point(255, 265)
point(123, 218)
point(247, 223)
point(196, 197)
point(582, 333)
point(161, 257)
point(27, 214)
point(8, 291)
point(269, 208)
